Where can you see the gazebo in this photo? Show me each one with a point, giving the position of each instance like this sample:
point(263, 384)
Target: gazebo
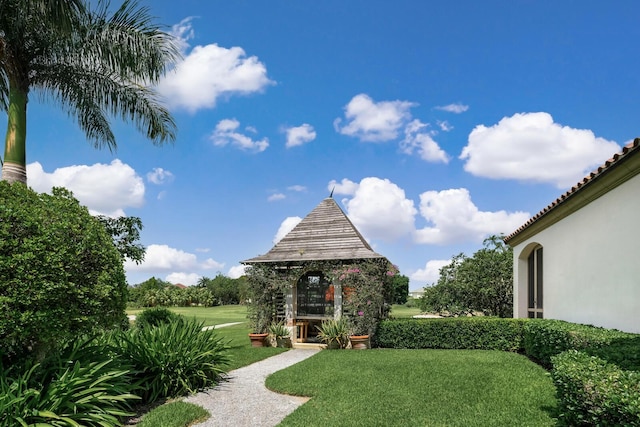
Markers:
point(302, 277)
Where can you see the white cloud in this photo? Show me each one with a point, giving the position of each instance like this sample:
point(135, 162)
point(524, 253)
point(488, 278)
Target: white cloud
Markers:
point(373, 121)
point(418, 138)
point(531, 147)
point(345, 186)
point(297, 188)
point(105, 189)
point(285, 227)
point(275, 197)
point(444, 126)
point(453, 108)
point(300, 135)
point(166, 258)
point(226, 133)
point(159, 176)
point(203, 250)
point(207, 73)
point(430, 273)
point(236, 271)
point(211, 264)
point(380, 210)
point(456, 219)
point(187, 279)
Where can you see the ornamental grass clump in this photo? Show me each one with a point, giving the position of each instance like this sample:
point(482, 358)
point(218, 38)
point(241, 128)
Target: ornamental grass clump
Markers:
point(84, 385)
point(334, 333)
point(174, 359)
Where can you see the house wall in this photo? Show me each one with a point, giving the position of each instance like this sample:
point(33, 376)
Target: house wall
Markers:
point(591, 263)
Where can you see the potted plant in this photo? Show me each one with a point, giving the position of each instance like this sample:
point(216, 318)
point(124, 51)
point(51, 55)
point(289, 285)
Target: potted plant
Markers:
point(281, 334)
point(334, 333)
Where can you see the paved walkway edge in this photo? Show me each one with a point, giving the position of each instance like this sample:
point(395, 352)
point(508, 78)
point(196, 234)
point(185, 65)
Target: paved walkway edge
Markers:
point(244, 400)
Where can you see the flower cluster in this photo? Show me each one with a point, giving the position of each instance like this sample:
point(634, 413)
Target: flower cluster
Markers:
point(365, 290)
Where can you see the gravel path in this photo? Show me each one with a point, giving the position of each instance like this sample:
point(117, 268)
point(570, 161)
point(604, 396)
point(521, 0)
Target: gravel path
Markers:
point(243, 400)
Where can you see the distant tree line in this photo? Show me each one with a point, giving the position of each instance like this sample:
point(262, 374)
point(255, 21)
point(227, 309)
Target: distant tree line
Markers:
point(482, 283)
point(221, 290)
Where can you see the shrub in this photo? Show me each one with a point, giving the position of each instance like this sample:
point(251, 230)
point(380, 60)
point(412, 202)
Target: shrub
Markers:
point(61, 273)
point(83, 386)
point(593, 392)
point(173, 358)
point(544, 338)
point(156, 316)
point(452, 333)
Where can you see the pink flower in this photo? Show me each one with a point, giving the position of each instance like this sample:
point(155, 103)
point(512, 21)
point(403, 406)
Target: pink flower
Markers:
point(361, 313)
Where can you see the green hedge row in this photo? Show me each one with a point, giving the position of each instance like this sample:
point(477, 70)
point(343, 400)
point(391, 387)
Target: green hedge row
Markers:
point(593, 392)
point(477, 333)
point(596, 371)
point(546, 338)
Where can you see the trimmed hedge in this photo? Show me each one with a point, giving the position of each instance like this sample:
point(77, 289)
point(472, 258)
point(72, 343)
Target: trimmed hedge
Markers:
point(593, 392)
point(476, 333)
point(546, 338)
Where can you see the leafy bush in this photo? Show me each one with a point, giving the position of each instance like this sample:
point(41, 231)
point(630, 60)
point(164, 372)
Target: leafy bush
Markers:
point(83, 386)
point(544, 338)
point(452, 333)
point(61, 273)
point(173, 358)
point(593, 392)
point(156, 316)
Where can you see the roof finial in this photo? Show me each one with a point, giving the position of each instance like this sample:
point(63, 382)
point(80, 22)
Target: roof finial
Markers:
point(331, 195)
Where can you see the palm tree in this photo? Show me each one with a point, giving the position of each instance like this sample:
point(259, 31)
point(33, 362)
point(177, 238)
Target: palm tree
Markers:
point(93, 63)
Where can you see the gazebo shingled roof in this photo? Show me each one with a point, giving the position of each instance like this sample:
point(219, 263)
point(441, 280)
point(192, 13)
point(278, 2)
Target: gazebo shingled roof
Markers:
point(325, 234)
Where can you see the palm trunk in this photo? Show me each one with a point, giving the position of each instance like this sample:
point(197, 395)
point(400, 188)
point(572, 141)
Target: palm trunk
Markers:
point(14, 168)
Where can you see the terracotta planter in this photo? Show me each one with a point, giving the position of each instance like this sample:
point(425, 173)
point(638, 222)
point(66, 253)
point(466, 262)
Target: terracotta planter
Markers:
point(258, 340)
point(360, 342)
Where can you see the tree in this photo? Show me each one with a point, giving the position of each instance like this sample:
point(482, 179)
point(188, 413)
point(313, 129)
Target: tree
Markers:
point(60, 274)
point(483, 282)
point(92, 63)
point(400, 289)
point(125, 232)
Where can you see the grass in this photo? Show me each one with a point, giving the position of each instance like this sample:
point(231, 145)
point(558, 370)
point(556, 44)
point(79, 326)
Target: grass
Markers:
point(174, 414)
point(400, 311)
point(241, 352)
point(418, 387)
point(209, 315)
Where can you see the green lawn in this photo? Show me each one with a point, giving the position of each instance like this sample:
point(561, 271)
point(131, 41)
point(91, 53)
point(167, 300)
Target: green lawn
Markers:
point(400, 311)
point(418, 388)
point(209, 315)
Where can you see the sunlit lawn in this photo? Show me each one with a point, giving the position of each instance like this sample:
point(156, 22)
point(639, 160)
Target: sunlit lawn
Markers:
point(210, 315)
point(401, 311)
point(387, 387)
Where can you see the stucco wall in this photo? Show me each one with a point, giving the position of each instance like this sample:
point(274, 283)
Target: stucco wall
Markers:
point(591, 263)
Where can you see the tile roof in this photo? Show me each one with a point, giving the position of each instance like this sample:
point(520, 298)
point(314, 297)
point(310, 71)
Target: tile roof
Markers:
point(325, 234)
point(628, 150)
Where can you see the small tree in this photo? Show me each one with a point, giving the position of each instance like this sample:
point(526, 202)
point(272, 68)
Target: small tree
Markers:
point(60, 273)
point(483, 282)
point(400, 285)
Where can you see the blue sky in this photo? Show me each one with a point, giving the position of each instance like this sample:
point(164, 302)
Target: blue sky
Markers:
point(438, 124)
